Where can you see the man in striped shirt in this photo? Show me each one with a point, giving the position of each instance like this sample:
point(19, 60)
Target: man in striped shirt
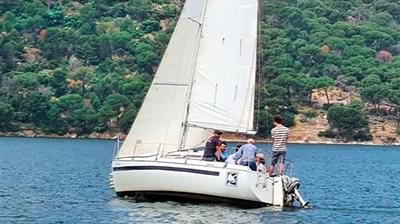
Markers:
point(279, 135)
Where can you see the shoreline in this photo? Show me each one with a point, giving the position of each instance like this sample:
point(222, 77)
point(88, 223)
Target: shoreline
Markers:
point(229, 140)
point(319, 143)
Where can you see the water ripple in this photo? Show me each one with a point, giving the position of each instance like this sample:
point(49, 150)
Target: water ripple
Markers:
point(66, 181)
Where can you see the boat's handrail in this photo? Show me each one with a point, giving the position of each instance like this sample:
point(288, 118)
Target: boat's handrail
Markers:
point(117, 147)
point(196, 154)
point(288, 168)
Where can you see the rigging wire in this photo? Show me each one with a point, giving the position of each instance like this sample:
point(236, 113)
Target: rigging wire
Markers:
point(185, 130)
point(269, 146)
point(259, 66)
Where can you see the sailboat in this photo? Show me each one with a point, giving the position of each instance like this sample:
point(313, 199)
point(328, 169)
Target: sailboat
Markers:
point(205, 82)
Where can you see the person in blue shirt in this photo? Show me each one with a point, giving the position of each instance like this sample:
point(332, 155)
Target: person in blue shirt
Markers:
point(224, 153)
point(247, 155)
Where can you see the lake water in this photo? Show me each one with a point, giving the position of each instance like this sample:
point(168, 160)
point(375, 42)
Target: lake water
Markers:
point(66, 181)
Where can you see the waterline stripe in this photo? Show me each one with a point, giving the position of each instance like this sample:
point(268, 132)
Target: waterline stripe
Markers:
point(166, 168)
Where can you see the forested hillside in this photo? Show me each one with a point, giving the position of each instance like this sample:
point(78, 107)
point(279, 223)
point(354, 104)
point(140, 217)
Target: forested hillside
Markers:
point(84, 66)
point(313, 45)
point(79, 66)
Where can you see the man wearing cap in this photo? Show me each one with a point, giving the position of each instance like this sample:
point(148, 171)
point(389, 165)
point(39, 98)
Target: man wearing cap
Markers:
point(213, 150)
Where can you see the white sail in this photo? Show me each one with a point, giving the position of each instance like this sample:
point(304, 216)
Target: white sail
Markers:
point(223, 90)
point(158, 125)
point(210, 65)
point(205, 82)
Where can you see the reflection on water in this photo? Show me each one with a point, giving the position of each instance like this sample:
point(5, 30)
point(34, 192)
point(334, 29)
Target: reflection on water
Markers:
point(165, 212)
point(66, 181)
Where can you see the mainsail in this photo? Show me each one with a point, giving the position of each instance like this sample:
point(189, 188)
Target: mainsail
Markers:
point(205, 80)
point(223, 88)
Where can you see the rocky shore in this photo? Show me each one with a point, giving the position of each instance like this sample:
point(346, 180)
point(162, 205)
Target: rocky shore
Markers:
point(304, 132)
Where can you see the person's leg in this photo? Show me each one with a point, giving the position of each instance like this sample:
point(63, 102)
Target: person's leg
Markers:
point(253, 166)
point(281, 168)
point(274, 159)
point(281, 159)
point(244, 163)
point(209, 159)
point(271, 170)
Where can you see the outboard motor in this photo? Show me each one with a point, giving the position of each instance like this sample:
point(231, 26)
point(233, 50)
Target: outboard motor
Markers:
point(291, 184)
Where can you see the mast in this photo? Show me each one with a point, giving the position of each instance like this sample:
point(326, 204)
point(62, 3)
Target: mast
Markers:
point(184, 131)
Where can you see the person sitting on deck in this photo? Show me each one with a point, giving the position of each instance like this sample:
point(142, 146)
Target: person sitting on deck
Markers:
point(213, 150)
point(223, 154)
point(247, 154)
point(260, 160)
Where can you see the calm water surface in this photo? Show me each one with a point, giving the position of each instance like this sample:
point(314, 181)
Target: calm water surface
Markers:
point(66, 181)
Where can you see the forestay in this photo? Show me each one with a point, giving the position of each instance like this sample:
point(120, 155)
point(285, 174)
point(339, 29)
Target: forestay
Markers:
point(223, 90)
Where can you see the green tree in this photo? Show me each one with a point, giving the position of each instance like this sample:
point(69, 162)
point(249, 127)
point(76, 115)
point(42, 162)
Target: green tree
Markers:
point(69, 103)
point(310, 55)
point(139, 9)
point(307, 85)
point(127, 119)
point(265, 123)
point(348, 121)
point(56, 123)
point(58, 82)
point(84, 120)
point(85, 75)
point(145, 58)
point(378, 40)
point(150, 25)
point(394, 98)
point(325, 82)
point(37, 106)
point(374, 94)
point(120, 42)
point(371, 80)
point(286, 81)
point(384, 19)
point(105, 114)
point(6, 117)
point(55, 17)
point(57, 42)
point(116, 101)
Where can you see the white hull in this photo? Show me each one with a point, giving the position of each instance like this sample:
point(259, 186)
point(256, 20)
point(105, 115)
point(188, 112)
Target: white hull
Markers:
point(197, 179)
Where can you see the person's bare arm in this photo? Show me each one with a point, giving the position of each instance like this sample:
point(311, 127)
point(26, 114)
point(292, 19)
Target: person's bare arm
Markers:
point(218, 153)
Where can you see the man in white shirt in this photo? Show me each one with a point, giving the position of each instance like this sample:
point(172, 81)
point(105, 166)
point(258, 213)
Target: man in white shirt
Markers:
point(231, 157)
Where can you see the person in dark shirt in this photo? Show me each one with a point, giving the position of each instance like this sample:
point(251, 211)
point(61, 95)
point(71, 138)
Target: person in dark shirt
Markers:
point(213, 150)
